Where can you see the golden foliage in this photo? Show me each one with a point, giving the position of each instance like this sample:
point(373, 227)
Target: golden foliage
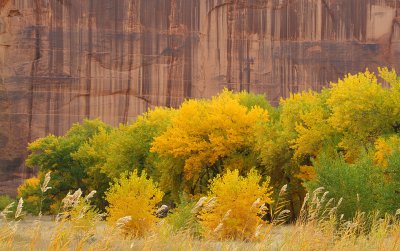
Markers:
point(235, 205)
point(295, 106)
point(204, 132)
point(307, 173)
point(393, 99)
point(385, 148)
point(28, 184)
point(306, 114)
point(359, 111)
point(136, 197)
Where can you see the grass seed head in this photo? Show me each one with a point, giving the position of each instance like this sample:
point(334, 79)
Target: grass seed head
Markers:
point(19, 208)
point(46, 181)
point(199, 204)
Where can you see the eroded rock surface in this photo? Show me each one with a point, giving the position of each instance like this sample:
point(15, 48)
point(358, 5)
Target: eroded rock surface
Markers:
point(65, 60)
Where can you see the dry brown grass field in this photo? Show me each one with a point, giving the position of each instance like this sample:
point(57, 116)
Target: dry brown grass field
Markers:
point(33, 235)
point(317, 228)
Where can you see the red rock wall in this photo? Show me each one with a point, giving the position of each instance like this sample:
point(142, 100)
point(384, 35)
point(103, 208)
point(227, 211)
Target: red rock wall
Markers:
point(65, 60)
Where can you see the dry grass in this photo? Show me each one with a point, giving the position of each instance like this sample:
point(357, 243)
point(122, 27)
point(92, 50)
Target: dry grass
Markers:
point(318, 228)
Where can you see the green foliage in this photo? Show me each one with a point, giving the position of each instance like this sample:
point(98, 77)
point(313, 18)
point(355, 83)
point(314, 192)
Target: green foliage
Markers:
point(183, 217)
point(55, 154)
point(130, 146)
point(363, 186)
point(5, 200)
point(390, 191)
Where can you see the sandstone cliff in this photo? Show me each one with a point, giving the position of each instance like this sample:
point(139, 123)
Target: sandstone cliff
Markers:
point(65, 60)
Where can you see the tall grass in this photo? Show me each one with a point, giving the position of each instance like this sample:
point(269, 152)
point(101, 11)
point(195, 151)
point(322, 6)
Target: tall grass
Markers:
point(79, 226)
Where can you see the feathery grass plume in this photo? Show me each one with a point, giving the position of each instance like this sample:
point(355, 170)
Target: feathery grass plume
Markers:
point(324, 196)
point(339, 202)
point(219, 227)
point(44, 187)
point(18, 212)
point(276, 209)
point(283, 190)
point(305, 201)
point(334, 209)
point(198, 205)
point(210, 204)
point(397, 212)
point(316, 209)
point(329, 202)
point(283, 213)
point(67, 201)
point(256, 202)
point(90, 195)
point(76, 196)
point(262, 209)
point(120, 223)
point(71, 200)
point(226, 215)
point(258, 231)
point(6, 210)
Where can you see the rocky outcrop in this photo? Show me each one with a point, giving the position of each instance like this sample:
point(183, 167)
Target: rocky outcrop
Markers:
point(65, 60)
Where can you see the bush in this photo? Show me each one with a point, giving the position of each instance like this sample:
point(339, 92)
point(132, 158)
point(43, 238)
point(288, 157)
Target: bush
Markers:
point(56, 154)
point(5, 200)
point(183, 217)
point(364, 186)
point(390, 200)
point(235, 206)
point(135, 197)
point(29, 190)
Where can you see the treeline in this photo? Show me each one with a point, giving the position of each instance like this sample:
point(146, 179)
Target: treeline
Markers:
point(345, 138)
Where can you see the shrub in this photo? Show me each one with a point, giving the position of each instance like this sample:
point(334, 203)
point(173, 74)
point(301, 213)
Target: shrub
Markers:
point(390, 200)
point(5, 200)
point(29, 190)
point(183, 217)
point(235, 206)
point(56, 154)
point(134, 197)
point(364, 186)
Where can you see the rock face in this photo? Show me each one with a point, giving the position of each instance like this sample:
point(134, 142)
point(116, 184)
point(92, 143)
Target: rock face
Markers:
point(65, 60)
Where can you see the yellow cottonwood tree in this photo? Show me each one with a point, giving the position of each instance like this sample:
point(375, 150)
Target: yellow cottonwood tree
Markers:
point(312, 128)
point(393, 100)
point(206, 134)
point(360, 111)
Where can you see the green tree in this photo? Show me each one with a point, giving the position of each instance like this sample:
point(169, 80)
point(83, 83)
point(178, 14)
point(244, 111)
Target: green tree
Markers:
point(55, 154)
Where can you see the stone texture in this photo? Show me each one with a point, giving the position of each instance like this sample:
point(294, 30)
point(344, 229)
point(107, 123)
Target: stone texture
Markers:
point(65, 60)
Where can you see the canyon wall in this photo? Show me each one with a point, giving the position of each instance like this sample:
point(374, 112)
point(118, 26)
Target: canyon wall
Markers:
point(65, 60)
